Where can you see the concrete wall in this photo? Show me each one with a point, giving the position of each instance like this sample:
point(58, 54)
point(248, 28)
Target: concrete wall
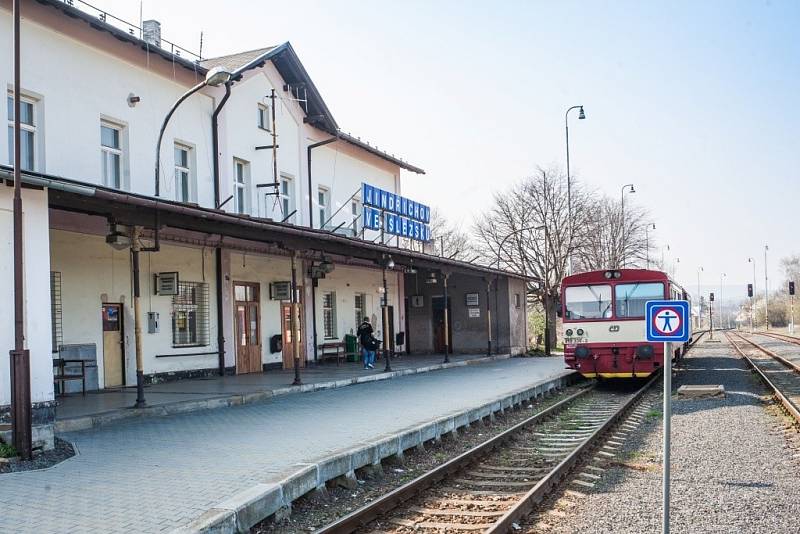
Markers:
point(469, 333)
point(92, 272)
point(36, 293)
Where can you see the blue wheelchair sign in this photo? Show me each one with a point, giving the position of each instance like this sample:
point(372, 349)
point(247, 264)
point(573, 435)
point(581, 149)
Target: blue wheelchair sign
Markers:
point(667, 320)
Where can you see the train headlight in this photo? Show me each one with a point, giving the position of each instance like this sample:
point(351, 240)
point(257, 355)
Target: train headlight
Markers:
point(580, 331)
point(569, 332)
point(644, 352)
point(582, 352)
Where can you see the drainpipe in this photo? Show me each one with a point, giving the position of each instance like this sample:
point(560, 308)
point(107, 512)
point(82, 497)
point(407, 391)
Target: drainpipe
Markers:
point(218, 250)
point(311, 225)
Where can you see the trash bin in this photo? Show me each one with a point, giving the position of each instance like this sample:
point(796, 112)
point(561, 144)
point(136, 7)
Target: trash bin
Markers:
point(351, 347)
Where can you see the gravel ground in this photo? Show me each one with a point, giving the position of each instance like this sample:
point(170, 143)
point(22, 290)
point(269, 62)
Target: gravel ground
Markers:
point(314, 511)
point(735, 463)
point(41, 460)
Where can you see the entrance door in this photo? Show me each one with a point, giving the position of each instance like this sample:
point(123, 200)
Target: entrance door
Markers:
point(288, 338)
point(248, 338)
point(438, 325)
point(113, 356)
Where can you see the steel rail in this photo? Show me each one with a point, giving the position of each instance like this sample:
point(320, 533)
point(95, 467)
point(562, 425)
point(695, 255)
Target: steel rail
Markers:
point(554, 477)
point(787, 403)
point(393, 499)
point(768, 352)
point(781, 337)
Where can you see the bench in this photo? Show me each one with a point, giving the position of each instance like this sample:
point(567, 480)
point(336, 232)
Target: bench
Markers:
point(61, 376)
point(332, 350)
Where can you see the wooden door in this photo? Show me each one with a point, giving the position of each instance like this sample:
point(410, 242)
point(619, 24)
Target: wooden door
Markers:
point(437, 303)
point(248, 328)
point(113, 356)
point(288, 337)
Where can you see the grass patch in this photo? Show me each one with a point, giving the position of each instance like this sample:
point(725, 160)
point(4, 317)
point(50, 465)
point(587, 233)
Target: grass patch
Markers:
point(7, 451)
point(654, 414)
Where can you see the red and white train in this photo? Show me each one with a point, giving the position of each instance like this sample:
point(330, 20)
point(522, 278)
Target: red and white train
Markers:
point(604, 326)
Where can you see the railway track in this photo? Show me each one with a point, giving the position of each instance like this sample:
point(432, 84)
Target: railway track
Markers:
point(781, 375)
point(494, 485)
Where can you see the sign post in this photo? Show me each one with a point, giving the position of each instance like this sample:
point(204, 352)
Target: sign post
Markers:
point(667, 321)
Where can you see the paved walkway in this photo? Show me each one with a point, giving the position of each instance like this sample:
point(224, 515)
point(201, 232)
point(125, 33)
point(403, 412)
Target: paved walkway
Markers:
point(274, 382)
point(157, 474)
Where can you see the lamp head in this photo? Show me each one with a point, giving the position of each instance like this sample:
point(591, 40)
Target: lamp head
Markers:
point(217, 76)
point(632, 190)
point(581, 114)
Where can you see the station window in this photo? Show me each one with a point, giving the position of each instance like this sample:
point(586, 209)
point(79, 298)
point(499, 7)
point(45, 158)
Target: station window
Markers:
point(355, 210)
point(517, 300)
point(329, 314)
point(183, 173)
point(360, 307)
point(111, 154)
point(190, 318)
point(28, 132)
point(287, 198)
point(241, 185)
point(263, 117)
point(323, 202)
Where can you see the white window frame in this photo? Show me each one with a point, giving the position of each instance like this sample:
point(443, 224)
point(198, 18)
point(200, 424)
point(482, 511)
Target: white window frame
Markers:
point(118, 151)
point(187, 170)
point(286, 195)
point(360, 311)
point(329, 327)
point(355, 211)
point(323, 205)
point(264, 118)
point(24, 127)
point(242, 186)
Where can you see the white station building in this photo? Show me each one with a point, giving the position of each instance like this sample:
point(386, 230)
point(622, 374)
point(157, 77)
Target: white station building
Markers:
point(218, 239)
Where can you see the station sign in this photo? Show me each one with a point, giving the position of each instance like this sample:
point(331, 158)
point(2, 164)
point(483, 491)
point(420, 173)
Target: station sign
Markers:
point(396, 214)
point(667, 320)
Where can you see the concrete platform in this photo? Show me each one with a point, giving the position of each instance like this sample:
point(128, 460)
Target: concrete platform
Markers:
point(224, 468)
point(78, 412)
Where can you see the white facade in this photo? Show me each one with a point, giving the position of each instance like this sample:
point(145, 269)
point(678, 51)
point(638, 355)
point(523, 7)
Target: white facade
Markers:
point(80, 79)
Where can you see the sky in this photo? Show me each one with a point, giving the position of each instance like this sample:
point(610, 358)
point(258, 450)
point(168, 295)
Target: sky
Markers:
point(693, 102)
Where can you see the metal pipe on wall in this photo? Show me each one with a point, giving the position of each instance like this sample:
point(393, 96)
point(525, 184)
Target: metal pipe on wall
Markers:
point(446, 325)
point(295, 323)
point(137, 318)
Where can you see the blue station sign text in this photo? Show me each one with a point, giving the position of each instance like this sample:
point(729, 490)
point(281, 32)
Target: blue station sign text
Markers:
point(396, 214)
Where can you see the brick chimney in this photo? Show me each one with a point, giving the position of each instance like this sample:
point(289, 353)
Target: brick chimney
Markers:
point(151, 31)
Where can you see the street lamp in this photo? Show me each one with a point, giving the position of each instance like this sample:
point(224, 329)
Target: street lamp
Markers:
point(752, 299)
point(214, 78)
point(647, 228)
point(699, 296)
point(388, 263)
point(622, 196)
point(581, 116)
point(721, 298)
point(766, 290)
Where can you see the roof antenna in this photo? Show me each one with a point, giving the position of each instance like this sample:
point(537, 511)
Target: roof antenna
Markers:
point(201, 46)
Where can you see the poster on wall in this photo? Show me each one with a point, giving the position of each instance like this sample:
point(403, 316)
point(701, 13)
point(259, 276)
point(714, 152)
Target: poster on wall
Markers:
point(474, 312)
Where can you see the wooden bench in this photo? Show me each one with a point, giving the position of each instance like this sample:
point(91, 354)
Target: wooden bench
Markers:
point(333, 350)
point(61, 376)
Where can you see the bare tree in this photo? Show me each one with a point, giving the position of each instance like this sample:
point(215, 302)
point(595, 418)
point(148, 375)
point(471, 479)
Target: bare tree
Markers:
point(604, 243)
point(526, 230)
point(449, 240)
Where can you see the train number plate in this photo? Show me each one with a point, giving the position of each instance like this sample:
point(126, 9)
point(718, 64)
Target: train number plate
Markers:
point(575, 340)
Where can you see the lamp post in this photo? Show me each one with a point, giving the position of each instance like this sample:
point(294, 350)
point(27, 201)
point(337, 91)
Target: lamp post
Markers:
point(647, 228)
point(581, 116)
point(700, 310)
point(766, 290)
point(387, 263)
point(752, 299)
point(20, 359)
point(622, 196)
point(214, 78)
point(721, 298)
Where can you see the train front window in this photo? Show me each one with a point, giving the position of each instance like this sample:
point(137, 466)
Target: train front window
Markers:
point(631, 298)
point(588, 302)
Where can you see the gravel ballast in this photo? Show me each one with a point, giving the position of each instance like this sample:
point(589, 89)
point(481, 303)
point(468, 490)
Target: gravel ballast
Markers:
point(735, 463)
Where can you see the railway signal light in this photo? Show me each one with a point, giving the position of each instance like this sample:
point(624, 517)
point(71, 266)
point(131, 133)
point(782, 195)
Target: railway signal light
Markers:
point(750, 289)
point(791, 288)
point(711, 297)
